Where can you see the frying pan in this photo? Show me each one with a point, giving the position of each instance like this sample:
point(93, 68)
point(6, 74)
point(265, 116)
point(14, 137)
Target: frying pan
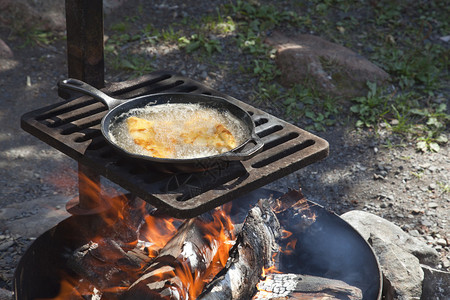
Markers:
point(117, 111)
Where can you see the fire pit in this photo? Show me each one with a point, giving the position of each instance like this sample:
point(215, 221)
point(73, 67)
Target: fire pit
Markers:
point(327, 248)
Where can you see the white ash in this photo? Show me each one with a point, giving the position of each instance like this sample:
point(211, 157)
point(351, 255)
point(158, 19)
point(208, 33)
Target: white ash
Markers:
point(233, 279)
point(189, 254)
point(276, 285)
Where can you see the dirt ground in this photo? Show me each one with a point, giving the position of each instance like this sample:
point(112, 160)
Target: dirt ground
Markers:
point(397, 183)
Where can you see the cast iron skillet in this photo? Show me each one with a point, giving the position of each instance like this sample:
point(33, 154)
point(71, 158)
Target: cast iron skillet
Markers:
point(249, 148)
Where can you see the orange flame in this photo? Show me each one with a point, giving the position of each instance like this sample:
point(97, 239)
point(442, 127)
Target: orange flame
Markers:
point(151, 234)
point(288, 249)
point(149, 231)
point(285, 234)
point(219, 238)
point(157, 232)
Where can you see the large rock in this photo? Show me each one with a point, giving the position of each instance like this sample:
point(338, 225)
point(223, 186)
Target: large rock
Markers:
point(48, 15)
point(329, 67)
point(366, 224)
point(399, 267)
point(400, 256)
point(23, 15)
point(5, 51)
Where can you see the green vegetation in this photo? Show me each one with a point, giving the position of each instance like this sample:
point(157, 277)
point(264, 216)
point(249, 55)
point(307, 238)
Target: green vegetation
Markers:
point(370, 108)
point(419, 68)
point(304, 103)
point(196, 42)
point(38, 37)
point(445, 188)
point(402, 37)
point(136, 64)
point(431, 132)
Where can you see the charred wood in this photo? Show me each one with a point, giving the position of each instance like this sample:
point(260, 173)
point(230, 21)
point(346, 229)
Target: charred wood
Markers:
point(106, 265)
point(293, 286)
point(114, 256)
point(159, 279)
point(292, 210)
point(179, 270)
point(253, 251)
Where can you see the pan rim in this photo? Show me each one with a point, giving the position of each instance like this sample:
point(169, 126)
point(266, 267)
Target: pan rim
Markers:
point(112, 113)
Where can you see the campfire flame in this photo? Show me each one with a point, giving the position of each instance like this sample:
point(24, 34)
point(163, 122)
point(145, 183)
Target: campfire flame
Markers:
point(219, 237)
point(157, 232)
point(287, 243)
point(149, 233)
point(287, 249)
point(129, 224)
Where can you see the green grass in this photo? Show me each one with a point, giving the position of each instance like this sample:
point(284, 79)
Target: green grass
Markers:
point(402, 37)
point(399, 36)
point(38, 38)
point(138, 65)
point(199, 42)
point(301, 102)
point(444, 187)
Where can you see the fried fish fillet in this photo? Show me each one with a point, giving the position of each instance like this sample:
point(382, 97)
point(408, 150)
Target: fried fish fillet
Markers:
point(195, 132)
point(143, 133)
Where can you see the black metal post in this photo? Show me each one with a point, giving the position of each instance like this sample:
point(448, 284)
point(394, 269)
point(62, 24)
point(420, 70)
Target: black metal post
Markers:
point(85, 60)
point(84, 20)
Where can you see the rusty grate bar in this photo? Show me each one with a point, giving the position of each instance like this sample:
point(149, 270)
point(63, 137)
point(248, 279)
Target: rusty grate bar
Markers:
point(73, 127)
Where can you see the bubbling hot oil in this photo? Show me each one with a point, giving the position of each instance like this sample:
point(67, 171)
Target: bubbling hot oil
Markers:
point(171, 121)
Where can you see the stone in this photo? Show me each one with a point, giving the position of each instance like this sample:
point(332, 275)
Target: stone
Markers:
point(6, 245)
point(399, 267)
point(426, 222)
point(433, 205)
point(441, 242)
point(5, 51)
point(330, 67)
point(436, 284)
point(366, 224)
point(33, 15)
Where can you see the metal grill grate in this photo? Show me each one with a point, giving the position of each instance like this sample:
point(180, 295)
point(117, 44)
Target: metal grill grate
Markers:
point(73, 127)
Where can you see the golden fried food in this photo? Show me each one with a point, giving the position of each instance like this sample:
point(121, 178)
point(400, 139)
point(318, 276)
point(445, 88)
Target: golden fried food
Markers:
point(143, 133)
point(197, 132)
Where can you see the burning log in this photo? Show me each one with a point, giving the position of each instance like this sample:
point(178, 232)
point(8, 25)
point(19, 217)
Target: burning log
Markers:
point(254, 249)
point(119, 248)
point(203, 260)
point(159, 277)
point(106, 265)
point(252, 252)
point(187, 261)
point(292, 210)
point(293, 286)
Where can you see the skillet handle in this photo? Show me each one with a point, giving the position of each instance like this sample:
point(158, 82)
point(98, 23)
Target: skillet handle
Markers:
point(246, 153)
point(86, 89)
